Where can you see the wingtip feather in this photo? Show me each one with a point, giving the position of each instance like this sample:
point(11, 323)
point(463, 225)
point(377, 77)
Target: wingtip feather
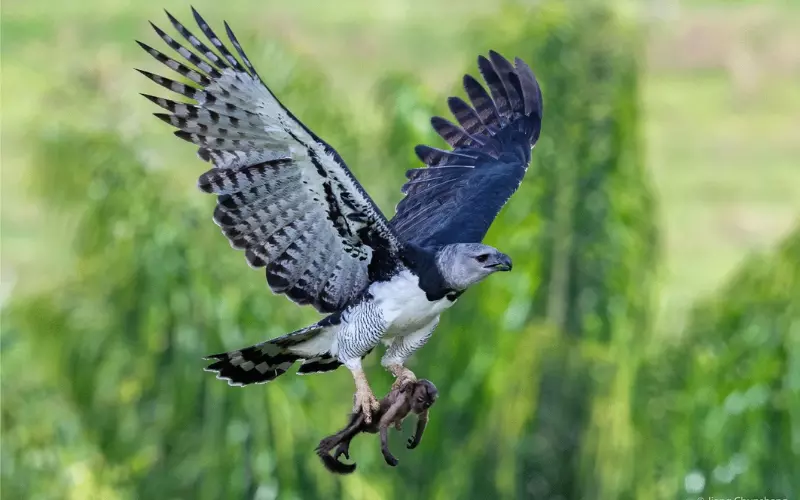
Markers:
point(421, 151)
point(199, 20)
point(172, 19)
point(496, 58)
point(170, 16)
point(186, 136)
point(530, 86)
point(163, 116)
point(158, 30)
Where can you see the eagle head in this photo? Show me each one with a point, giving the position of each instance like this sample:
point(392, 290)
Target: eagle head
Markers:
point(464, 264)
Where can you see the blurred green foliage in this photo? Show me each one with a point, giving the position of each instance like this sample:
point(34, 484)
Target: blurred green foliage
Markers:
point(550, 386)
point(722, 404)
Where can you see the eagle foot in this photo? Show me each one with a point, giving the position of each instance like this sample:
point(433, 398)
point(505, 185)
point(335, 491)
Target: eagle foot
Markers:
point(365, 403)
point(403, 377)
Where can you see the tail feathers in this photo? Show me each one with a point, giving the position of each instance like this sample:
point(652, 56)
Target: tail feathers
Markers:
point(266, 361)
point(258, 364)
point(319, 364)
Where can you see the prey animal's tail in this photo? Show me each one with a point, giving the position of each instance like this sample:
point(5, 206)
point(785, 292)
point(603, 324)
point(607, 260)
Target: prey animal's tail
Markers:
point(268, 360)
point(341, 441)
point(334, 465)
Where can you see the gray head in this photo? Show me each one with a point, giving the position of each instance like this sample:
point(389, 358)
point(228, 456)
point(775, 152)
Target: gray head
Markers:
point(464, 264)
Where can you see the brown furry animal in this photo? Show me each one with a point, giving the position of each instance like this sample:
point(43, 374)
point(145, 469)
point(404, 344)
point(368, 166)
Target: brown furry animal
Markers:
point(415, 397)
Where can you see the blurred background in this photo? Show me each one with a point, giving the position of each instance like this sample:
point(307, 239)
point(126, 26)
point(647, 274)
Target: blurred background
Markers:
point(646, 345)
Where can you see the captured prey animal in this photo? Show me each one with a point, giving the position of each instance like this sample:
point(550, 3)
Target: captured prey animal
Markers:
point(289, 202)
point(415, 397)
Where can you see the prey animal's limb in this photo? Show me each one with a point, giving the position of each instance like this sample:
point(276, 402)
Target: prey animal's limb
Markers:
point(342, 442)
point(395, 414)
point(422, 422)
point(343, 436)
point(342, 449)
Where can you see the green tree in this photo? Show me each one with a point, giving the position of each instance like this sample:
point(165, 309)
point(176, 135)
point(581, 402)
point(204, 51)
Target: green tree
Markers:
point(718, 411)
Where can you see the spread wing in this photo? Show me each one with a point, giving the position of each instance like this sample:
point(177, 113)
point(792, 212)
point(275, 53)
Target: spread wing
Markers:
point(458, 195)
point(284, 196)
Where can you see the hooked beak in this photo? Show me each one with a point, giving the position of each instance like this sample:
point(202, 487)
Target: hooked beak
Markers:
point(503, 263)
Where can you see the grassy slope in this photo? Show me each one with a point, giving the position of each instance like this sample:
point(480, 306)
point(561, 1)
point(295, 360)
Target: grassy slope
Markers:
point(722, 110)
point(723, 152)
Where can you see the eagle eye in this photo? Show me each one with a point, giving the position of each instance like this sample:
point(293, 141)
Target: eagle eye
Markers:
point(482, 257)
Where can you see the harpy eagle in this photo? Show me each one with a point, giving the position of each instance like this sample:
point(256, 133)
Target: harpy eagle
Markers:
point(287, 199)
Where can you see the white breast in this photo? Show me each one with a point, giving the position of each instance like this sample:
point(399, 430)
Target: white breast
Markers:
point(404, 305)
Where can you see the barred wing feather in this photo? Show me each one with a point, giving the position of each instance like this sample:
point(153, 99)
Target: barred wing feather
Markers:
point(456, 197)
point(284, 196)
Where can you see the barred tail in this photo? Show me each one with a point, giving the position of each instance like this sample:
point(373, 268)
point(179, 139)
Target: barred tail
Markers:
point(268, 360)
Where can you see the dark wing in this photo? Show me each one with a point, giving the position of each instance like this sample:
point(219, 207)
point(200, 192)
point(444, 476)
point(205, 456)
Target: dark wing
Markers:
point(457, 197)
point(285, 197)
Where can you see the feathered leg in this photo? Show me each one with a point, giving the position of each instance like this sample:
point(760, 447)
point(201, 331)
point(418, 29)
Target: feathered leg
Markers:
point(401, 349)
point(364, 401)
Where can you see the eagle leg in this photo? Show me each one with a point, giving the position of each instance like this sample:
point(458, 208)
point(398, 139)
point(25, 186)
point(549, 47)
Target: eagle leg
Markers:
point(402, 375)
point(400, 349)
point(364, 401)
